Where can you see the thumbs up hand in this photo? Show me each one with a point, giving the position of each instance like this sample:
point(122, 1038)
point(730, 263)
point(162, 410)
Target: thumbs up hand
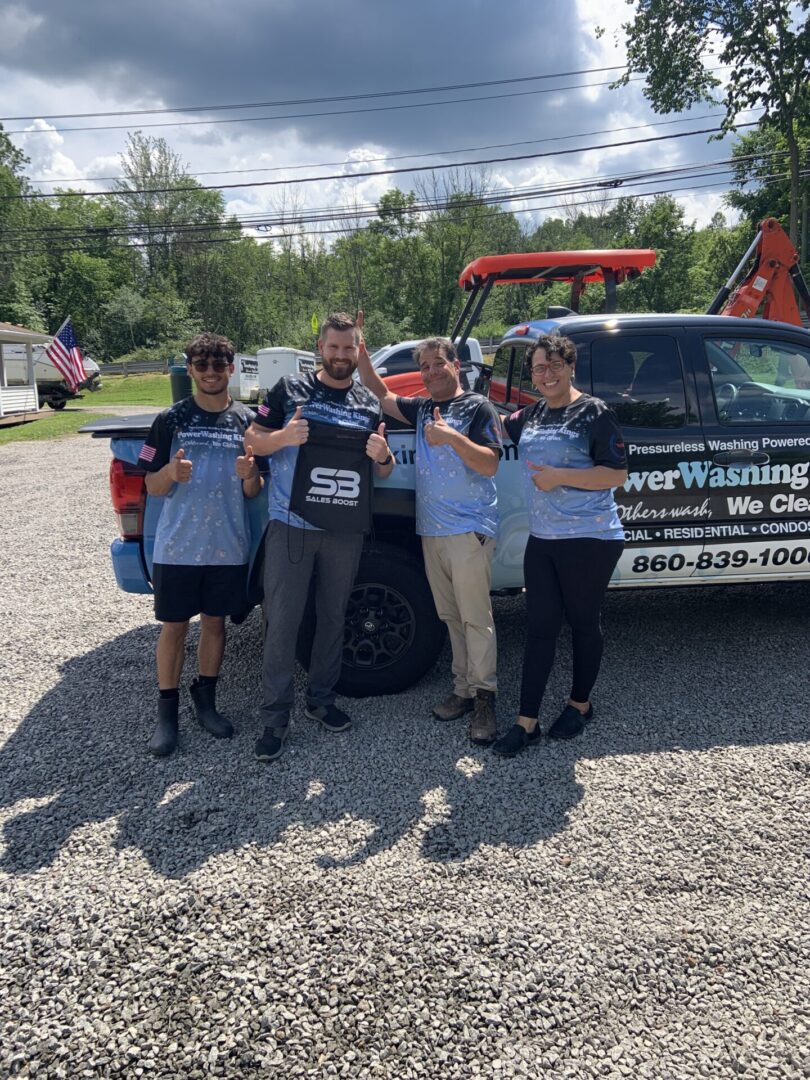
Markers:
point(438, 432)
point(377, 447)
point(180, 468)
point(296, 429)
point(545, 477)
point(246, 467)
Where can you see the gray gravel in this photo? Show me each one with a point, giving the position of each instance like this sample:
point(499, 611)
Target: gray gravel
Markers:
point(393, 902)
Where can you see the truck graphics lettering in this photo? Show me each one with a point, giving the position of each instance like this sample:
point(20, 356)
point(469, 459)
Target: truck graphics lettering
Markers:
point(702, 474)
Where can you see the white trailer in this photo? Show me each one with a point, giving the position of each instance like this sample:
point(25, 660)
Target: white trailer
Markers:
point(244, 383)
point(273, 363)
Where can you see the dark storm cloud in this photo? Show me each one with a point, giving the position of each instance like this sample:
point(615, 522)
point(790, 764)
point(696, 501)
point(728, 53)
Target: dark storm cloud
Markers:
point(191, 52)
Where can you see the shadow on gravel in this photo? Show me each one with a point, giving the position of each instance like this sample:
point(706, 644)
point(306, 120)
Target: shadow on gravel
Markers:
point(683, 671)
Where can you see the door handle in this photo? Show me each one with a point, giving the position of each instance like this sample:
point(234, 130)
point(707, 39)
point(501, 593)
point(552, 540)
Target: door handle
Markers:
point(741, 457)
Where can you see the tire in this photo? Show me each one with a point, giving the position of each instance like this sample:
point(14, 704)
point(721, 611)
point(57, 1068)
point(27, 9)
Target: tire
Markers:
point(57, 405)
point(393, 635)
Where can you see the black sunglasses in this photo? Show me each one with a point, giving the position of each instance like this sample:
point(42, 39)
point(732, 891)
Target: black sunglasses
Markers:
point(204, 365)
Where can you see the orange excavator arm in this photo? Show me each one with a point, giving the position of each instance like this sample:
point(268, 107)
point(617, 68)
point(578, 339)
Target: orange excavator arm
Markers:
point(772, 285)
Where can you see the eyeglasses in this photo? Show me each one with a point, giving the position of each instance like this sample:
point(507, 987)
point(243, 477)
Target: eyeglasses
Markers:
point(554, 365)
point(203, 365)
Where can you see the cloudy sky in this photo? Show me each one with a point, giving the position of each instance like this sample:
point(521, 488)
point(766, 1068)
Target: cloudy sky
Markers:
point(90, 56)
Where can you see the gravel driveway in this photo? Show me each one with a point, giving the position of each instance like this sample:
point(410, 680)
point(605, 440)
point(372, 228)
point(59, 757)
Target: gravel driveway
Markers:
point(393, 902)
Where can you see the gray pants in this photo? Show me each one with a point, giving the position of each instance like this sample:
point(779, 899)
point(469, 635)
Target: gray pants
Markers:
point(291, 557)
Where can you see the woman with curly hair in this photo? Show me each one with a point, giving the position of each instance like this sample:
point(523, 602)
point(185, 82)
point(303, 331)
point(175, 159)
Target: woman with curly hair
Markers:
point(572, 457)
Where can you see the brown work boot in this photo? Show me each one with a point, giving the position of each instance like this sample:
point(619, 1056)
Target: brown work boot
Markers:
point(483, 725)
point(453, 707)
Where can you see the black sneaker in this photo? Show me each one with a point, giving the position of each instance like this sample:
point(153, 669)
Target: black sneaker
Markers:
point(330, 716)
point(570, 723)
point(271, 743)
point(515, 740)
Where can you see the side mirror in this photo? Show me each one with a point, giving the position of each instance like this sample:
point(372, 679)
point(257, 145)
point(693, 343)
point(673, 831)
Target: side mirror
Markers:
point(381, 371)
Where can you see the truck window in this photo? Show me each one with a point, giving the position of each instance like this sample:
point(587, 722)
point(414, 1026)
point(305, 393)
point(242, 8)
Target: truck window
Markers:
point(640, 377)
point(759, 381)
point(400, 362)
point(507, 370)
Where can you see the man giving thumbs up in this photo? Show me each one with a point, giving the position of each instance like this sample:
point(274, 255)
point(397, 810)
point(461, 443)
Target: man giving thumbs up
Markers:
point(457, 453)
point(197, 468)
point(299, 426)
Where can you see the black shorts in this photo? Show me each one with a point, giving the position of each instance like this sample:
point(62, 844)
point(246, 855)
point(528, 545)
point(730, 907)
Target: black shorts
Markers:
point(184, 591)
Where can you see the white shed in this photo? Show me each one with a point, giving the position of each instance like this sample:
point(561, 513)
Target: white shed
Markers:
point(19, 399)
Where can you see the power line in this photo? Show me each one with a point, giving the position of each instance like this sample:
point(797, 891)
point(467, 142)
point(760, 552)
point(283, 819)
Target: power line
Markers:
point(315, 100)
point(135, 245)
point(336, 112)
point(283, 219)
point(370, 173)
point(332, 232)
point(403, 157)
point(309, 115)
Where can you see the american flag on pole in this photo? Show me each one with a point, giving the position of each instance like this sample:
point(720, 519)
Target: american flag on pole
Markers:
point(66, 356)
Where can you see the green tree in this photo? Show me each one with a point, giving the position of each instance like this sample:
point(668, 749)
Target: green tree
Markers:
point(161, 205)
point(659, 225)
point(19, 270)
point(84, 287)
point(762, 187)
point(764, 43)
point(716, 251)
point(124, 314)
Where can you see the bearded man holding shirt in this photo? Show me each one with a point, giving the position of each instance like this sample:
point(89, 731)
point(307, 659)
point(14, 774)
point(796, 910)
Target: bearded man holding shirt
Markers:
point(296, 551)
point(458, 444)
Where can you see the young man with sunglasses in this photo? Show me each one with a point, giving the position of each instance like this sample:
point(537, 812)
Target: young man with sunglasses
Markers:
point(196, 462)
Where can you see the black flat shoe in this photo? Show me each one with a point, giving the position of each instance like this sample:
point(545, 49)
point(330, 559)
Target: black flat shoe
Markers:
point(515, 740)
point(570, 723)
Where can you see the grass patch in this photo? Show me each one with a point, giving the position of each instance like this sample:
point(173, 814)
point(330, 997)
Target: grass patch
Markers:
point(149, 389)
point(51, 427)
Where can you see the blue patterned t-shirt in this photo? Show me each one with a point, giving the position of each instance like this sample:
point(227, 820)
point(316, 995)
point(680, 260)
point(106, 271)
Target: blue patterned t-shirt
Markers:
point(203, 522)
point(452, 498)
point(577, 436)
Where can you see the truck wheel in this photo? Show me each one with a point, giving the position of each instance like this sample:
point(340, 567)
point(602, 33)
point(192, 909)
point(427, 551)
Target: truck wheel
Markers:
point(393, 635)
point(57, 405)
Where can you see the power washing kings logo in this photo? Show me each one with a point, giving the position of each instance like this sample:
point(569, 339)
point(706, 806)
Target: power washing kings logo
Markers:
point(338, 487)
point(699, 475)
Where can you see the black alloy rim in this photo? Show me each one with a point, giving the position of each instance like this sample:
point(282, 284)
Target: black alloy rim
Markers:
point(380, 627)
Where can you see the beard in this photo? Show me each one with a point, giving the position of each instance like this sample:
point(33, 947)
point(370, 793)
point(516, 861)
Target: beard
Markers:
point(338, 369)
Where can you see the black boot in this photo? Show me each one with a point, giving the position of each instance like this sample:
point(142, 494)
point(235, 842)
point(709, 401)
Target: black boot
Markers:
point(164, 737)
point(204, 697)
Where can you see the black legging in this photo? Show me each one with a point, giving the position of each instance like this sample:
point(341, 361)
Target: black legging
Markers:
point(568, 576)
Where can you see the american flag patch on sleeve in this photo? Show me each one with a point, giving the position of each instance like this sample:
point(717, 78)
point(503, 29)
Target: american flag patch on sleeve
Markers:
point(147, 453)
point(263, 410)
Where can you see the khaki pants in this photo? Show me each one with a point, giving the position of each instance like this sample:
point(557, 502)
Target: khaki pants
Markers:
point(459, 569)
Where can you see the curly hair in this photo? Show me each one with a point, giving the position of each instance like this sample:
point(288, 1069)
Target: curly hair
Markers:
point(552, 344)
point(213, 346)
